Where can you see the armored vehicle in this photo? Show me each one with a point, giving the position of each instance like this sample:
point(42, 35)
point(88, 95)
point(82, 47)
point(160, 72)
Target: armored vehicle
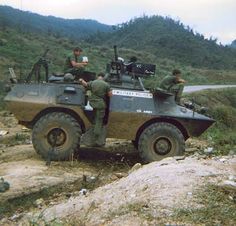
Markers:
point(60, 116)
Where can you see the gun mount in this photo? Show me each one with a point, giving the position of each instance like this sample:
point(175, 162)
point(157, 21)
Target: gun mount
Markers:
point(36, 70)
point(128, 74)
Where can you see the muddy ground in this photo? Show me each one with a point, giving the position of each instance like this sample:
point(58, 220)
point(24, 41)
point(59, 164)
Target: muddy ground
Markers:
point(100, 186)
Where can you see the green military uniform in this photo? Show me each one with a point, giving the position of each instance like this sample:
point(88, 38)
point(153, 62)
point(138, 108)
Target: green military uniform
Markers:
point(170, 84)
point(99, 89)
point(68, 68)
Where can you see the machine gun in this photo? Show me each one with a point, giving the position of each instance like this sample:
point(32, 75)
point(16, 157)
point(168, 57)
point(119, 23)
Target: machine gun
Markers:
point(127, 74)
point(36, 70)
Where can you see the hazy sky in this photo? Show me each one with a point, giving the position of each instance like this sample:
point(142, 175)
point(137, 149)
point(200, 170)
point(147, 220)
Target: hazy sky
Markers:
point(216, 18)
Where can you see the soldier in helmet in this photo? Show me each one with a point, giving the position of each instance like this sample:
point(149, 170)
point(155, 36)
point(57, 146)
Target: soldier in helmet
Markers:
point(174, 84)
point(75, 63)
point(99, 91)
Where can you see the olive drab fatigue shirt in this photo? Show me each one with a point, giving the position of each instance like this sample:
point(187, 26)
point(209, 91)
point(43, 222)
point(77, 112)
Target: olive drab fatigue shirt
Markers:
point(69, 58)
point(168, 82)
point(99, 90)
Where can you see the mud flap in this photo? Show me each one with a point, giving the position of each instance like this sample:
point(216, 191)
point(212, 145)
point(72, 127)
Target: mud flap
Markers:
point(88, 138)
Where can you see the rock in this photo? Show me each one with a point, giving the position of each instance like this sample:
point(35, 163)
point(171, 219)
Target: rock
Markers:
point(208, 150)
point(135, 167)
point(4, 185)
point(83, 191)
point(16, 217)
point(223, 160)
point(178, 158)
point(3, 132)
point(39, 202)
point(68, 195)
point(25, 129)
point(232, 152)
point(91, 179)
point(120, 175)
point(232, 178)
point(167, 161)
point(191, 150)
point(228, 185)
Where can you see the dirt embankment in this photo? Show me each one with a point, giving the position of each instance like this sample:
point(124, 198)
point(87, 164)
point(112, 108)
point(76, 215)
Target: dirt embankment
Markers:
point(147, 196)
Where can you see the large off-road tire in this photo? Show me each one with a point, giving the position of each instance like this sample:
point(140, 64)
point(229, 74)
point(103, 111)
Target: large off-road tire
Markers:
point(160, 140)
point(56, 136)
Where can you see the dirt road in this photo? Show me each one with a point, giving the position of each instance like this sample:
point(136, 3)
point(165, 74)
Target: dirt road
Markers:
point(191, 89)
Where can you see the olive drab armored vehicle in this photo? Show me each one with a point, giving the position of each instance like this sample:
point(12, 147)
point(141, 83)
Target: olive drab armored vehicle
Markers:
point(60, 116)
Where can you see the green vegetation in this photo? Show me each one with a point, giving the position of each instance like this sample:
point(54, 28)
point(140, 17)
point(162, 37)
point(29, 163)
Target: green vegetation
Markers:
point(48, 25)
point(28, 201)
point(233, 44)
point(167, 38)
point(18, 138)
point(2, 93)
point(215, 208)
point(21, 50)
point(221, 106)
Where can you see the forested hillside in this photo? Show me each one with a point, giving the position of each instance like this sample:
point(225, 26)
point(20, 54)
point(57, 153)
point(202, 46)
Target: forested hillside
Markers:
point(49, 25)
point(21, 50)
point(166, 38)
point(154, 40)
point(233, 44)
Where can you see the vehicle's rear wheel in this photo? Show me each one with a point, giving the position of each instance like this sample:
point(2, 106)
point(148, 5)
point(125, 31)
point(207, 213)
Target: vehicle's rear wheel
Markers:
point(56, 136)
point(160, 140)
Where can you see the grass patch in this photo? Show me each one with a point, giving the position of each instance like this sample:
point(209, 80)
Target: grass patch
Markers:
point(2, 94)
point(222, 107)
point(217, 209)
point(17, 139)
point(141, 209)
point(26, 202)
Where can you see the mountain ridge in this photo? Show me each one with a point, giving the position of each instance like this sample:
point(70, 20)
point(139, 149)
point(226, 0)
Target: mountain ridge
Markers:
point(167, 38)
point(32, 22)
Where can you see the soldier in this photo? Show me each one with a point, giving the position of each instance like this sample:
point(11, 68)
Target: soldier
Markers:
point(99, 91)
point(173, 84)
point(75, 63)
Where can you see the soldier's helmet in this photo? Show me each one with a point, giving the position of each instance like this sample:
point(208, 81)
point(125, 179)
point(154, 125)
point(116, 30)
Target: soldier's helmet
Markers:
point(68, 77)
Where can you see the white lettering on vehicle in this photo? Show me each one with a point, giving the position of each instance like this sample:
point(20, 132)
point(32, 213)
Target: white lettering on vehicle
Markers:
point(143, 111)
point(131, 93)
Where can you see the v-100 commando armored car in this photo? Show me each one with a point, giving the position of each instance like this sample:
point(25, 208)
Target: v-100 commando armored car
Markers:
point(59, 114)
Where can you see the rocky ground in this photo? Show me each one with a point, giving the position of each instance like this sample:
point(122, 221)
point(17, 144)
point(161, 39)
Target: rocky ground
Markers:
point(105, 186)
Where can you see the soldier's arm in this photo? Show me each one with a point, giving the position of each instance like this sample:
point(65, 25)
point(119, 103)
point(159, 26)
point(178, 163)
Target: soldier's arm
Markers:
point(180, 80)
point(84, 83)
point(109, 91)
point(78, 65)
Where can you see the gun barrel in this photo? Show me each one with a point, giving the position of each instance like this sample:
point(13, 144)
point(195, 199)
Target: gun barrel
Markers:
point(45, 53)
point(115, 52)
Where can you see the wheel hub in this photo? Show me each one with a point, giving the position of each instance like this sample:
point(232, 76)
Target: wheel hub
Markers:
point(162, 146)
point(56, 137)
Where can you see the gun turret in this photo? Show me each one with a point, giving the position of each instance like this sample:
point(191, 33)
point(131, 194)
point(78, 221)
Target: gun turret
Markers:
point(127, 75)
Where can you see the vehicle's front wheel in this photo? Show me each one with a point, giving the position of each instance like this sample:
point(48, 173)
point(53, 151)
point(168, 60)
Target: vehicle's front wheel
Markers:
point(56, 136)
point(160, 140)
